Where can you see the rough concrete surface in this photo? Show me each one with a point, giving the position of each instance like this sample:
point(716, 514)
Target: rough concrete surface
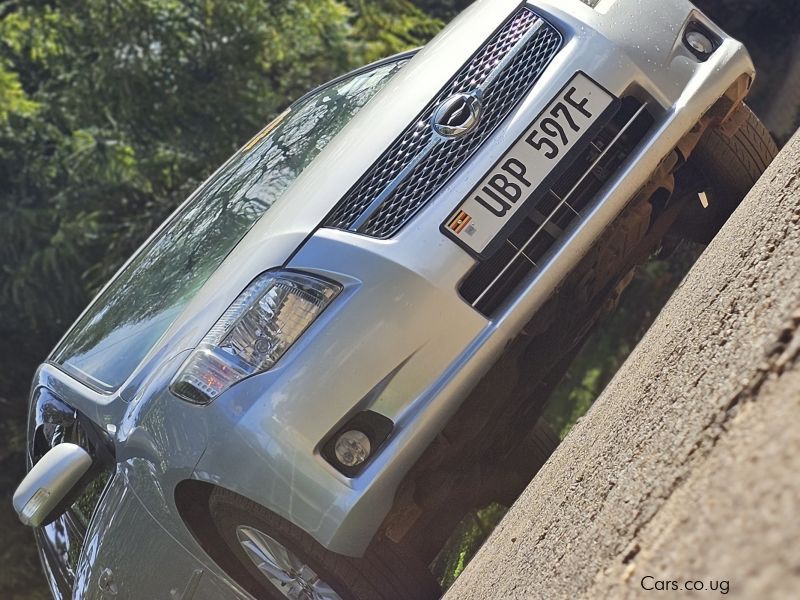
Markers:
point(687, 468)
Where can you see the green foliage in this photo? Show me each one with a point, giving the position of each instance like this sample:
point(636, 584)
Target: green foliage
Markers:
point(13, 100)
point(443, 9)
point(389, 25)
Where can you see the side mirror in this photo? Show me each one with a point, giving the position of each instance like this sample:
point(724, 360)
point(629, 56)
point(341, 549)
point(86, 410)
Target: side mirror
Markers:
point(49, 482)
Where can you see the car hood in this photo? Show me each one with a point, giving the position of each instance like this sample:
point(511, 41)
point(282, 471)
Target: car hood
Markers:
point(295, 216)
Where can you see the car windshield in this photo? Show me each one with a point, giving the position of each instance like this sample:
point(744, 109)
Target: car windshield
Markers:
point(133, 312)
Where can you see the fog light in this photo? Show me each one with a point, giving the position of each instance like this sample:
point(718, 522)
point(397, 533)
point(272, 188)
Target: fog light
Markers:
point(698, 42)
point(352, 448)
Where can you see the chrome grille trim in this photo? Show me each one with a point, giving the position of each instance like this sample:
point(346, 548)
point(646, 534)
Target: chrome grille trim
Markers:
point(420, 162)
point(395, 183)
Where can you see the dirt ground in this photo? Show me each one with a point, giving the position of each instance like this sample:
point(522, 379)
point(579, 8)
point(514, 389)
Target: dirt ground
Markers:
point(686, 472)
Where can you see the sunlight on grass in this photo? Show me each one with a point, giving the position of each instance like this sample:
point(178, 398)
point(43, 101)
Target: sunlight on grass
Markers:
point(466, 540)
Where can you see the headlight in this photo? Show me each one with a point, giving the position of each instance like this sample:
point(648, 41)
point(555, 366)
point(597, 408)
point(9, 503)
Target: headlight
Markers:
point(252, 335)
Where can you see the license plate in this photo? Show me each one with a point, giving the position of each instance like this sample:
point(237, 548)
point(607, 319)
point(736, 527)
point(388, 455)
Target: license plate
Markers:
point(520, 174)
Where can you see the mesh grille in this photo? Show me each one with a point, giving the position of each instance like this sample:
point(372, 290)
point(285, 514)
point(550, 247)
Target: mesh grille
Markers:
point(421, 184)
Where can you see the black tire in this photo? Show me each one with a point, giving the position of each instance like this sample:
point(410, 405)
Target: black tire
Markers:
point(385, 573)
point(540, 444)
point(524, 463)
point(725, 169)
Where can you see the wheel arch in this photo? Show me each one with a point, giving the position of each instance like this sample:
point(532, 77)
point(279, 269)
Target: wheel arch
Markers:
point(192, 501)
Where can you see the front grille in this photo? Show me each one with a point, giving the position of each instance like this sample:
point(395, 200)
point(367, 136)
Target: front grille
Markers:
point(491, 282)
point(418, 164)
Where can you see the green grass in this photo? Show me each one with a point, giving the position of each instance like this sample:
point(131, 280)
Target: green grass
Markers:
point(466, 540)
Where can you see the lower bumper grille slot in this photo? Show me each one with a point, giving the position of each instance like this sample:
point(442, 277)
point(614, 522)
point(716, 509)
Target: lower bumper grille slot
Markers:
point(494, 280)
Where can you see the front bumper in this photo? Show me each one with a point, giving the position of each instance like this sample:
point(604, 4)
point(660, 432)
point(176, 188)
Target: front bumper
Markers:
point(400, 340)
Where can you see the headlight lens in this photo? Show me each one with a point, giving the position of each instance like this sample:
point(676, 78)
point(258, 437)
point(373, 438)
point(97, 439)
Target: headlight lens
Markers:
point(253, 334)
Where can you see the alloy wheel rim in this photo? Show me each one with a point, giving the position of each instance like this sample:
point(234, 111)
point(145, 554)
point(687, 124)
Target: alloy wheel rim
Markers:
point(282, 568)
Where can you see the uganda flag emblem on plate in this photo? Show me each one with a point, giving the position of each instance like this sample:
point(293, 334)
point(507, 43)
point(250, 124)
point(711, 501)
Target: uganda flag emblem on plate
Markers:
point(459, 222)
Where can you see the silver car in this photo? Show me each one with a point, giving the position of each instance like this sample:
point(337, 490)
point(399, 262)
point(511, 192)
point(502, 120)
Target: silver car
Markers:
point(342, 342)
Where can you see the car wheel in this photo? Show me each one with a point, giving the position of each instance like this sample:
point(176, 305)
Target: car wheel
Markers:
point(724, 169)
point(273, 559)
point(522, 464)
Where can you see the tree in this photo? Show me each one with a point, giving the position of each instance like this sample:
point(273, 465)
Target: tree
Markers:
point(443, 9)
point(388, 26)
